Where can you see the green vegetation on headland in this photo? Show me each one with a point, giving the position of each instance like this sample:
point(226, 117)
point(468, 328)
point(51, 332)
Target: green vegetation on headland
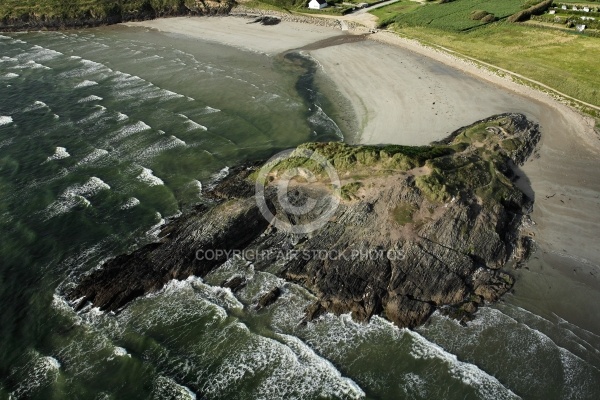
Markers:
point(20, 14)
point(474, 159)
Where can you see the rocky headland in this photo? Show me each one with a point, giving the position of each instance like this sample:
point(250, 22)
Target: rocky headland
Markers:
point(16, 16)
point(416, 229)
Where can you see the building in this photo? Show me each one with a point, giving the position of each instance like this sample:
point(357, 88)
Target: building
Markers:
point(317, 4)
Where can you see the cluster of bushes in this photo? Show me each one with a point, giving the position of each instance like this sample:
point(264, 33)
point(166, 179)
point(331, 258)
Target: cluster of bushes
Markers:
point(526, 14)
point(483, 16)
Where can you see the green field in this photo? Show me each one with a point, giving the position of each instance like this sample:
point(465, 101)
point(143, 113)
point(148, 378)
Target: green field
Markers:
point(564, 61)
point(456, 15)
point(559, 58)
point(393, 10)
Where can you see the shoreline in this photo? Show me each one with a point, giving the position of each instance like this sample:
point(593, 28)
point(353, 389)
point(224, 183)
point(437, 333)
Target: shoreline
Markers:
point(391, 83)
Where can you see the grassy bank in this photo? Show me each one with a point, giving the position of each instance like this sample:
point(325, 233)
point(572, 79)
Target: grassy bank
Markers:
point(17, 15)
point(561, 59)
point(564, 61)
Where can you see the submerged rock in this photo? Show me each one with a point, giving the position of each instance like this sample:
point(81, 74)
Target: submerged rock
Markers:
point(415, 228)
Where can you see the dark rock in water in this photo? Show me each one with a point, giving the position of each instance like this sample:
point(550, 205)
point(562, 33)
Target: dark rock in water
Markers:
point(266, 20)
point(417, 229)
point(268, 298)
point(235, 283)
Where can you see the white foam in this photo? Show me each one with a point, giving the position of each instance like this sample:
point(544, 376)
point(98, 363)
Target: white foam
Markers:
point(11, 75)
point(415, 384)
point(95, 155)
point(37, 105)
point(75, 195)
point(40, 53)
point(149, 58)
point(5, 120)
point(211, 110)
point(90, 98)
point(196, 184)
point(121, 352)
point(130, 203)
point(122, 117)
point(31, 65)
point(322, 367)
point(59, 154)
point(92, 187)
point(166, 144)
point(93, 116)
point(223, 297)
point(86, 83)
point(129, 130)
point(192, 125)
point(167, 388)
point(148, 178)
point(6, 142)
point(2, 37)
point(487, 386)
point(40, 372)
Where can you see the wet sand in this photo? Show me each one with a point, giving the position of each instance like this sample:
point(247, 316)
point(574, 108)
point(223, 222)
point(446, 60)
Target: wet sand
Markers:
point(405, 93)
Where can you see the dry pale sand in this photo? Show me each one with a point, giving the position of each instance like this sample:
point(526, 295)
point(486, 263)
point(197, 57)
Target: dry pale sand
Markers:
point(405, 93)
point(239, 32)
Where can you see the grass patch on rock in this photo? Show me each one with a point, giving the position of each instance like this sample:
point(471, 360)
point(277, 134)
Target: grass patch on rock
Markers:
point(403, 213)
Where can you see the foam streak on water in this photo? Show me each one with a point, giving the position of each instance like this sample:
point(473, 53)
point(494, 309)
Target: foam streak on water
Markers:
point(5, 120)
point(487, 386)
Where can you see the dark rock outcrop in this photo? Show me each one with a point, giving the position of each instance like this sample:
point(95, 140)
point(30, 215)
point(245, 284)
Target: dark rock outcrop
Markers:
point(427, 228)
point(235, 283)
point(266, 20)
point(268, 298)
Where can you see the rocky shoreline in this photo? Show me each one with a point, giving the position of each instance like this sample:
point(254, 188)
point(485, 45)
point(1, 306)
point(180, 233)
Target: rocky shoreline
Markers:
point(417, 229)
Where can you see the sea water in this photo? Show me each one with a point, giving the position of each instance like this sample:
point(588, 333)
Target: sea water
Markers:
point(107, 133)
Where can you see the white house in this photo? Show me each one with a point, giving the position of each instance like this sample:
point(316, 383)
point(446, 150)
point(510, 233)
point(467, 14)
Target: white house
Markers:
point(586, 9)
point(552, 12)
point(317, 4)
point(580, 28)
point(564, 7)
point(575, 8)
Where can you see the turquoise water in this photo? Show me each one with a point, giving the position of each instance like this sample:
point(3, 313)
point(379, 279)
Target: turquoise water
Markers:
point(105, 134)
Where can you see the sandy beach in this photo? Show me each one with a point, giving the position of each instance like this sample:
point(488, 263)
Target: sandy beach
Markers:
point(405, 93)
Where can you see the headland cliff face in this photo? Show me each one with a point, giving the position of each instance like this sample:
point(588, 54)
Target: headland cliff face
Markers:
point(19, 16)
point(415, 229)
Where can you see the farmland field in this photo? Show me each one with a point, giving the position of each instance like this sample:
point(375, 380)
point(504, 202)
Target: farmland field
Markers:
point(456, 15)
